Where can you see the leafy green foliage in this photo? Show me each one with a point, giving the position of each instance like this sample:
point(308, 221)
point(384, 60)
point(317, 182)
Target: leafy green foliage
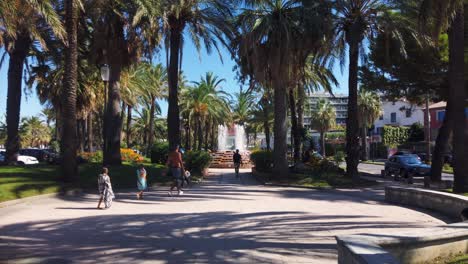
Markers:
point(394, 136)
point(339, 157)
point(416, 133)
point(197, 161)
point(159, 152)
point(263, 160)
point(19, 182)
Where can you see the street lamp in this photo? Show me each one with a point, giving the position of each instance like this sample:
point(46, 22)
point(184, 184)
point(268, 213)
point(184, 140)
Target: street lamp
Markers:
point(105, 72)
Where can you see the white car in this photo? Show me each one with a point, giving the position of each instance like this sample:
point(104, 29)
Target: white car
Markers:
point(22, 160)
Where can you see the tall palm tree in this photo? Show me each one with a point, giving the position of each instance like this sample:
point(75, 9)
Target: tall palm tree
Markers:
point(206, 21)
point(69, 144)
point(323, 119)
point(152, 85)
point(270, 31)
point(442, 15)
point(242, 107)
point(22, 25)
point(369, 109)
point(206, 106)
point(34, 133)
point(355, 21)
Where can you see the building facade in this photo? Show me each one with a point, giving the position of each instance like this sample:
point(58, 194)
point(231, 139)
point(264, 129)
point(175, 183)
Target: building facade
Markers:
point(398, 113)
point(339, 102)
point(437, 115)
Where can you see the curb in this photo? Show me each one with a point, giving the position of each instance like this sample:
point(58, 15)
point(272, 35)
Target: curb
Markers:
point(68, 193)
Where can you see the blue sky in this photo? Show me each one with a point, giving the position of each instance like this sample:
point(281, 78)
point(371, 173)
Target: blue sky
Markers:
point(193, 66)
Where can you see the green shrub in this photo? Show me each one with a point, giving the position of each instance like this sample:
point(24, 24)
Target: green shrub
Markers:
point(159, 152)
point(197, 161)
point(263, 160)
point(339, 157)
point(93, 157)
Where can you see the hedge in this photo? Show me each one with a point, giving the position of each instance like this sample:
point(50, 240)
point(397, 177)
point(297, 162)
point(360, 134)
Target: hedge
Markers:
point(394, 136)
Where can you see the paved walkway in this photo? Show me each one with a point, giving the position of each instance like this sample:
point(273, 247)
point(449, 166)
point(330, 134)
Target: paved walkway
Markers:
point(224, 220)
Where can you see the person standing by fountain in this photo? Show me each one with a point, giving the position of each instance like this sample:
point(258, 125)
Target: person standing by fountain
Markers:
point(237, 158)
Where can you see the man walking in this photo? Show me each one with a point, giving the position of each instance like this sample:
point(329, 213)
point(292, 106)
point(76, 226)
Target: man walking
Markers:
point(237, 158)
point(175, 163)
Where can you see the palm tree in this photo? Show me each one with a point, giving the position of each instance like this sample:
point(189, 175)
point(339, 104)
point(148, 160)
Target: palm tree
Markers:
point(206, 22)
point(22, 25)
point(205, 106)
point(369, 109)
point(271, 31)
point(242, 107)
point(34, 133)
point(323, 119)
point(355, 21)
point(442, 15)
point(152, 85)
point(262, 117)
point(69, 144)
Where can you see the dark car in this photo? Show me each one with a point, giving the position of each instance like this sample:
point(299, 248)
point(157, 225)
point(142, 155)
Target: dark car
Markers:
point(406, 166)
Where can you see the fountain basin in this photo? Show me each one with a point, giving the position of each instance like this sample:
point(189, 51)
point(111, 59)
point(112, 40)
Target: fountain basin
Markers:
point(223, 159)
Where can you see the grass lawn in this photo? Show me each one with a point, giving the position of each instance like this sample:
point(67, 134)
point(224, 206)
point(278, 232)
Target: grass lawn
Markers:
point(458, 259)
point(325, 180)
point(24, 181)
point(451, 191)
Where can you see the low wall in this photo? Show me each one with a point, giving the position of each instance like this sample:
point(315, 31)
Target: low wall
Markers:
point(422, 246)
point(444, 203)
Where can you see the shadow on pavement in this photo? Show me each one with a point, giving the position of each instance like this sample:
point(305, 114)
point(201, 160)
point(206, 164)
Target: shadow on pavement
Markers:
point(180, 238)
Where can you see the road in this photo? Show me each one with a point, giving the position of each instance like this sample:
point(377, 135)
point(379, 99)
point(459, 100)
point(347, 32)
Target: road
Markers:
point(223, 220)
point(375, 169)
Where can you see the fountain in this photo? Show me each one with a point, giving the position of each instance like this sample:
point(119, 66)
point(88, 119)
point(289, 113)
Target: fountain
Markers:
point(229, 139)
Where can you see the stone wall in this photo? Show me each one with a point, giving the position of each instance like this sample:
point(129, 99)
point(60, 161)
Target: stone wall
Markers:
point(421, 246)
point(444, 203)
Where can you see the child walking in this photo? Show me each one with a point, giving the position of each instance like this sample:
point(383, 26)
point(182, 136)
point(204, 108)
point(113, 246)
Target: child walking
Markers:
point(105, 189)
point(141, 181)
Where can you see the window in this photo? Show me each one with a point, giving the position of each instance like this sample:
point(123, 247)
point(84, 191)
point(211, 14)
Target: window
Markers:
point(408, 113)
point(440, 115)
point(381, 117)
point(393, 117)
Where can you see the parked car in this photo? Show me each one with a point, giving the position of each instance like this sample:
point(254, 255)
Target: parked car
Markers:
point(22, 159)
point(406, 166)
point(40, 154)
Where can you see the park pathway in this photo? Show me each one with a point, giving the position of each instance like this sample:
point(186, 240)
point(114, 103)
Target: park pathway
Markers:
point(223, 220)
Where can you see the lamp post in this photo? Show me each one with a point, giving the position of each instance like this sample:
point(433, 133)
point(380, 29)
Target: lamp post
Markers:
point(105, 72)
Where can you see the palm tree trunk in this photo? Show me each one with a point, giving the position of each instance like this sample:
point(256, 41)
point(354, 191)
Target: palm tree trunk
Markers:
point(200, 134)
point(295, 133)
point(365, 154)
point(90, 132)
point(151, 125)
point(187, 135)
point(129, 125)
point(213, 136)
point(300, 116)
point(122, 113)
point(81, 138)
point(173, 119)
point(441, 145)
point(457, 94)
point(69, 138)
point(322, 142)
point(113, 121)
point(207, 133)
point(266, 124)
point(195, 133)
point(352, 127)
point(15, 78)
point(280, 147)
